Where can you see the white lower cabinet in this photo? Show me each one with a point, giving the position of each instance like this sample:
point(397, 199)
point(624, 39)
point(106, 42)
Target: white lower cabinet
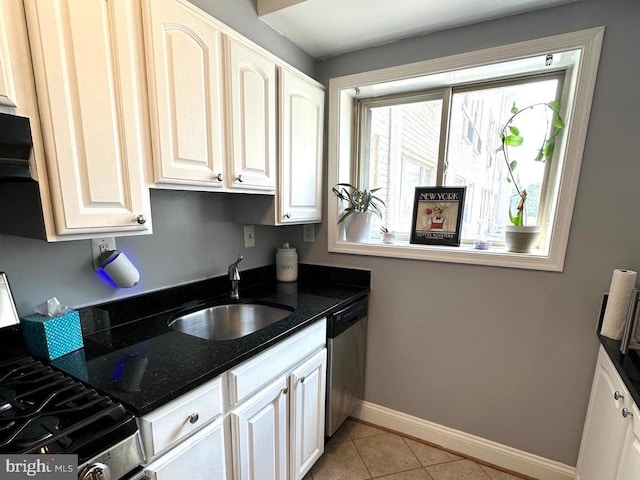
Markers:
point(308, 386)
point(279, 432)
point(259, 433)
point(629, 468)
point(267, 425)
point(610, 440)
point(202, 456)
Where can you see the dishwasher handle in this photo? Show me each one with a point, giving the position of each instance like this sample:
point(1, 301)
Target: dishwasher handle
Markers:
point(344, 318)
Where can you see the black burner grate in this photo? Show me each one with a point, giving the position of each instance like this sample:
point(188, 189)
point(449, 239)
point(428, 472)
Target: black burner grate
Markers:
point(45, 411)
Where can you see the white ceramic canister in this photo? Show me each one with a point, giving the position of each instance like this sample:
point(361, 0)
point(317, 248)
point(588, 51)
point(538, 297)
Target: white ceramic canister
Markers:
point(286, 264)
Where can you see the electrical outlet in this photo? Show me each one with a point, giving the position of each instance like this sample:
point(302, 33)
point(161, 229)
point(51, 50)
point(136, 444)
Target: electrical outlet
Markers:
point(309, 233)
point(99, 246)
point(249, 236)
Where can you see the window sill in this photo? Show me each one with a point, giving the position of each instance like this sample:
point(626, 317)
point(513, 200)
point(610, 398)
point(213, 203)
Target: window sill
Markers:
point(466, 254)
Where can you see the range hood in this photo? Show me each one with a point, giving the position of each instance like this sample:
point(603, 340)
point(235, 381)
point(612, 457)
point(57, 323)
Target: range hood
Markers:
point(20, 202)
point(15, 148)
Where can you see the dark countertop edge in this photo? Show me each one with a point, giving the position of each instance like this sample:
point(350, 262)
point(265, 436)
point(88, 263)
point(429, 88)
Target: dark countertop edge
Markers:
point(235, 361)
point(623, 363)
point(356, 283)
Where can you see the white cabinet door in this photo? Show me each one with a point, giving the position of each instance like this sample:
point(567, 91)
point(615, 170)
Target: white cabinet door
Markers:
point(306, 416)
point(9, 9)
point(259, 434)
point(629, 468)
point(301, 127)
point(604, 430)
point(89, 69)
point(185, 89)
point(200, 457)
point(252, 92)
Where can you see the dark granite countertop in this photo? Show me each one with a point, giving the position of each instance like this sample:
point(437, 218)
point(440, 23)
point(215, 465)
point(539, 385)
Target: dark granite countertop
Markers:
point(132, 355)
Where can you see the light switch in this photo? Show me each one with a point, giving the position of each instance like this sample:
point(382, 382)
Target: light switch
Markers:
point(249, 236)
point(308, 233)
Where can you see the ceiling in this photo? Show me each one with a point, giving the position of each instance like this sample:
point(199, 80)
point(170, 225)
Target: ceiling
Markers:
point(326, 28)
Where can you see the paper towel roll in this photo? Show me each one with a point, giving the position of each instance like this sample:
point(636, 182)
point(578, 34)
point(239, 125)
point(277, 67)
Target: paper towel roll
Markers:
point(615, 314)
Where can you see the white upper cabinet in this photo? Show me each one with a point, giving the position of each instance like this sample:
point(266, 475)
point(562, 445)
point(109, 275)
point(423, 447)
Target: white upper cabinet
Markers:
point(89, 72)
point(213, 102)
point(252, 93)
point(8, 11)
point(185, 89)
point(17, 87)
point(301, 127)
point(124, 95)
point(298, 196)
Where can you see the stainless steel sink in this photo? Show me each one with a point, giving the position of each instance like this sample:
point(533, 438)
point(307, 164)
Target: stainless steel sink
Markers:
point(225, 322)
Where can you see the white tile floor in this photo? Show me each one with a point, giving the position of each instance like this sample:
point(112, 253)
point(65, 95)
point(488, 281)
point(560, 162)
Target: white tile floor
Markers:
point(359, 452)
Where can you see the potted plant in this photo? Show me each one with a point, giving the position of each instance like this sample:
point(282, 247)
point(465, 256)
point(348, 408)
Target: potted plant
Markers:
point(361, 211)
point(520, 237)
point(387, 236)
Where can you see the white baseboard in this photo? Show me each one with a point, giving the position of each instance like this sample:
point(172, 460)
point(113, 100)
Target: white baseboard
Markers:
point(487, 451)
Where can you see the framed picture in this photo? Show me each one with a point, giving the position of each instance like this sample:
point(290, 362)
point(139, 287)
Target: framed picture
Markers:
point(437, 215)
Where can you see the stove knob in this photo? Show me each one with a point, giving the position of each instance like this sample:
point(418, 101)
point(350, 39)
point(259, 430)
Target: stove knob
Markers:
point(96, 471)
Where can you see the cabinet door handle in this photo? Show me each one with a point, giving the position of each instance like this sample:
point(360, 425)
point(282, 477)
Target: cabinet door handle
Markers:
point(193, 418)
point(240, 178)
point(301, 380)
point(626, 413)
point(287, 215)
point(617, 395)
point(219, 177)
point(141, 219)
point(284, 391)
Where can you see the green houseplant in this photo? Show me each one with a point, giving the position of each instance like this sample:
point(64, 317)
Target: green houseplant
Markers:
point(361, 211)
point(518, 236)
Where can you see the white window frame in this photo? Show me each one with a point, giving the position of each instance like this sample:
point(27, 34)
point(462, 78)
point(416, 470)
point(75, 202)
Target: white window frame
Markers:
point(581, 83)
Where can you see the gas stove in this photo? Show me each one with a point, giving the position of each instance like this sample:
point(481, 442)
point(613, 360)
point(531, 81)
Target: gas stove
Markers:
point(43, 411)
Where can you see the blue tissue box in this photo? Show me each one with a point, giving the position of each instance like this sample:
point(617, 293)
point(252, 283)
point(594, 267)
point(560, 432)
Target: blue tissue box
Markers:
point(51, 337)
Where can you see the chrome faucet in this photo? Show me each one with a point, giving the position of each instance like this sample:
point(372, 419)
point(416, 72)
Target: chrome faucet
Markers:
point(234, 276)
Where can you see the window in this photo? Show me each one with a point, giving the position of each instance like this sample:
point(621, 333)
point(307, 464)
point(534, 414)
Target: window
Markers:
point(403, 146)
point(435, 123)
point(399, 151)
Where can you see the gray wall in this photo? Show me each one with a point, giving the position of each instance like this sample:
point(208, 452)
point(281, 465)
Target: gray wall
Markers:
point(194, 237)
point(241, 16)
point(504, 354)
point(509, 354)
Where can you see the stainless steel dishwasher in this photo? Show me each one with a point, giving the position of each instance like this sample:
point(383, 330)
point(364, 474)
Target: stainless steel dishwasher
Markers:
point(346, 345)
